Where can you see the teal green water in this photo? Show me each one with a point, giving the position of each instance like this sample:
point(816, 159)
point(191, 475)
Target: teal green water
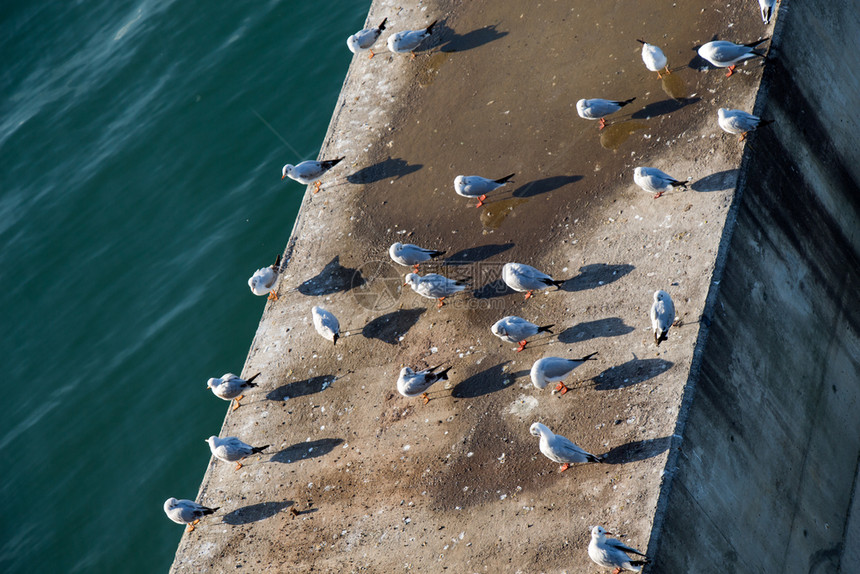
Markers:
point(140, 187)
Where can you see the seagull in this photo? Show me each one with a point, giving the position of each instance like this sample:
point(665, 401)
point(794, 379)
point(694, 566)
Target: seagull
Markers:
point(597, 109)
point(766, 9)
point(739, 122)
point(559, 449)
point(653, 180)
point(309, 171)
point(186, 511)
point(654, 58)
point(411, 384)
point(477, 186)
point(263, 280)
point(555, 369)
point(230, 387)
point(408, 40)
point(231, 449)
point(612, 553)
point(662, 315)
point(723, 54)
point(326, 324)
point(524, 278)
point(363, 40)
point(411, 255)
point(433, 286)
point(516, 330)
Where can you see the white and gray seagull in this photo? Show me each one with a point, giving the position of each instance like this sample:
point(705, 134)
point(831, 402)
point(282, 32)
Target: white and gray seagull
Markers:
point(559, 449)
point(262, 282)
point(477, 186)
point(654, 58)
point(309, 171)
point(410, 255)
point(363, 40)
point(184, 511)
point(766, 7)
point(612, 553)
point(326, 324)
point(724, 54)
point(555, 369)
point(662, 315)
point(739, 122)
point(655, 181)
point(231, 449)
point(415, 384)
point(434, 286)
point(526, 279)
point(515, 329)
point(409, 40)
point(598, 109)
point(231, 387)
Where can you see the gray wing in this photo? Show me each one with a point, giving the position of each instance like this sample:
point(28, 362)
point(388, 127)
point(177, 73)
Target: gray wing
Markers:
point(599, 107)
point(742, 121)
point(413, 385)
point(618, 545)
point(567, 451)
point(557, 368)
point(519, 328)
point(729, 52)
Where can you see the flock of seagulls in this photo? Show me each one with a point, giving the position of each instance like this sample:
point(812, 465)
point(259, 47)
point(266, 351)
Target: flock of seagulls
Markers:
point(412, 383)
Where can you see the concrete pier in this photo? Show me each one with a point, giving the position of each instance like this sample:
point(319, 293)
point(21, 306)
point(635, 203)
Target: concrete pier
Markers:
point(696, 431)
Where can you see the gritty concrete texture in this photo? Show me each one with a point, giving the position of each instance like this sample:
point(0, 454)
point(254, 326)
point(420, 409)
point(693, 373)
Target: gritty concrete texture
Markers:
point(359, 478)
point(769, 461)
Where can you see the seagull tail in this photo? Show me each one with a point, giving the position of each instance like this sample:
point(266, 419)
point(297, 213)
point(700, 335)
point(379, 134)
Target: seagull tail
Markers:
point(556, 282)
point(764, 123)
point(756, 43)
point(429, 29)
point(623, 103)
point(206, 510)
point(250, 382)
point(545, 329)
point(592, 458)
point(443, 375)
point(277, 265)
point(382, 24)
point(436, 253)
point(661, 336)
point(259, 449)
point(641, 41)
point(335, 338)
point(681, 184)
point(330, 163)
point(588, 357)
point(504, 180)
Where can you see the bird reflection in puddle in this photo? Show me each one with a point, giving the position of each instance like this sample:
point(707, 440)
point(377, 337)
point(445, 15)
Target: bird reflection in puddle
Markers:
point(616, 134)
point(494, 213)
point(674, 86)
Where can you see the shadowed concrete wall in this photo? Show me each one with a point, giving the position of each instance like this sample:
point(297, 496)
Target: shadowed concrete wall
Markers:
point(767, 468)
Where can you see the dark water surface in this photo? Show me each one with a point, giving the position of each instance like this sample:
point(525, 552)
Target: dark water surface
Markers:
point(139, 189)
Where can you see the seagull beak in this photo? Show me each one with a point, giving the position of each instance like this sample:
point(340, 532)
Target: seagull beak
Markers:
point(609, 534)
point(283, 176)
point(405, 284)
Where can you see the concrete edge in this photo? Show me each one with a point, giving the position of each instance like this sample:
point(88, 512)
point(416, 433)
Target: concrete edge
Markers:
point(710, 307)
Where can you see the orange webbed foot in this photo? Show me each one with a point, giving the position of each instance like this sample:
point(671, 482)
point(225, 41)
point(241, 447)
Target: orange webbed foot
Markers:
point(190, 528)
point(602, 123)
point(426, 398)
point(273, 296)
point(371, 55)
point(522, 345)
point(564, 467)
point(528, 295)
point(440, 303)
point(658, 195)
point(562, 388)
point(731, 70)
point(238, 465)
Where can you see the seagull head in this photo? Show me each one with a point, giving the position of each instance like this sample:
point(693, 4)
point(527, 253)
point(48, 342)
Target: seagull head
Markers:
point(722, 113)
point(538, 429)
point(580, 106)
point(287, 169)
point(211, 440)
point(412, 279)
point(170, 504)
point(599, 533)
point(498, 330)
point(212, 383)
point(659, 295)
point(637, 172)
point(395, 249)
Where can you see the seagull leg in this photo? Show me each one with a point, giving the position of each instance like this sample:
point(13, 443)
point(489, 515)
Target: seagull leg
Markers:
point(731, 70)
point(523, 344)
point(191, 527)
point(658, 195)
point(561, 387)
point(743, 137)
point(564, 467)
point(425, 397)
point(481, 200)
point(238, 465)
point(236, 405)
point(528, 295)
point(440, 303)
point(415, 268)
point(371, 55)
point(317, 186)
point(273, 296)
point(413, 55)
point(602, 123)
point(617, 570)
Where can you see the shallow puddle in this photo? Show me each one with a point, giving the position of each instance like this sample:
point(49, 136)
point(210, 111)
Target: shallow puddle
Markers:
point(674, 86)
point(616, 134)
point(431, 66)
point(496, 212)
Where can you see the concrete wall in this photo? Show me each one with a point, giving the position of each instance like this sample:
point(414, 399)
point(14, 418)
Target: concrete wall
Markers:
point(767, 468)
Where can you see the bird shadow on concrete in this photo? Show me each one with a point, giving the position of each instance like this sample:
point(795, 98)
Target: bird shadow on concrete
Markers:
point(663, 107)
point(390, 327)
point(476, 254)
point(545, 185)
point(454, 42)
point(720, 181)
point(483, 383)
point(386, 169)
point(631, 373)
point(637, 450)
point(608, 327)
point(497, 288)
point(306, 450)
point(596, 274)
point(255, 512)
point(333, 278)
point(301, 388)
